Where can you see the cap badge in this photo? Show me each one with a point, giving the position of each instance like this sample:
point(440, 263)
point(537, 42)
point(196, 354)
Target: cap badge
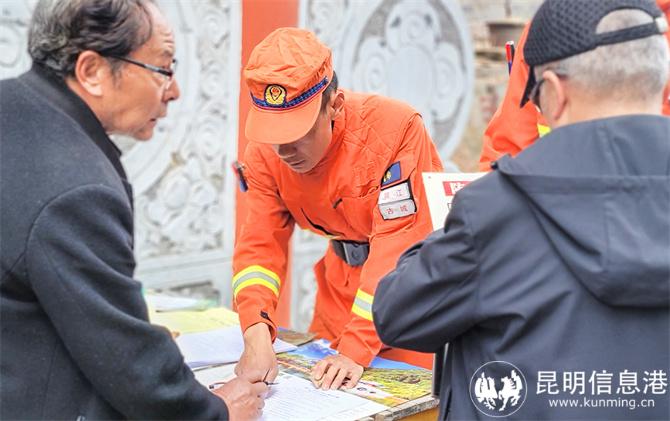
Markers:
point(275, 94)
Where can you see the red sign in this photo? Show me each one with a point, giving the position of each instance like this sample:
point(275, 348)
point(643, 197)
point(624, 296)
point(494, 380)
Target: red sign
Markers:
point(451, 187)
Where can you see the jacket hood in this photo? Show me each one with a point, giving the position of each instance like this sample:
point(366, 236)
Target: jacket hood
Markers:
point(610, 227)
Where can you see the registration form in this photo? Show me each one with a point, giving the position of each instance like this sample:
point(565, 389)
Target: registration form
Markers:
point(294, 398)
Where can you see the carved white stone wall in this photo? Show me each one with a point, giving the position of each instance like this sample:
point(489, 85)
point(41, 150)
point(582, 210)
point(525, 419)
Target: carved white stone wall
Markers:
point(184, 192)
point(418, 51)
point(14, 18)
point(415, 50)
point(184, 189)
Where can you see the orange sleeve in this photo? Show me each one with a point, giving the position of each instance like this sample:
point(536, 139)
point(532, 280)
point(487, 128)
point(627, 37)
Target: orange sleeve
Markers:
point(389, 238)
point(512, 128)
point(261, 252)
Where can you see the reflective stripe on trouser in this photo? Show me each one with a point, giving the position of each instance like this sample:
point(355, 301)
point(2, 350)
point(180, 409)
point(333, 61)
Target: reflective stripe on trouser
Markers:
point(256, 275)
point(363, 305)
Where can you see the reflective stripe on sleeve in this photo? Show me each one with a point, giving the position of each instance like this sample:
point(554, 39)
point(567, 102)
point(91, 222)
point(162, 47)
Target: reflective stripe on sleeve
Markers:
point(542, 129)
point(363, 305)
point(256, 275)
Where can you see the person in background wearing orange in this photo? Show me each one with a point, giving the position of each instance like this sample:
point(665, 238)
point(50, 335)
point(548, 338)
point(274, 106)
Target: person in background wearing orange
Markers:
point(514, 128)
point(344, 165)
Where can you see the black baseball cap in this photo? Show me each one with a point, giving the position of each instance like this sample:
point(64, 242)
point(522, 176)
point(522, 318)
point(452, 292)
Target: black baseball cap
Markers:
point(565, 28)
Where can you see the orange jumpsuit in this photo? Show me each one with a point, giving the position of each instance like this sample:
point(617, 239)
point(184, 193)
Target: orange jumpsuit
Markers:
point(379, 149)
point(512, 128)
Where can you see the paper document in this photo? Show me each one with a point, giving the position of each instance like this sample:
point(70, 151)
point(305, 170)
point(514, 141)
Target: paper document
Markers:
point(211, 375)
point(168, 303)
point(387, 382)
point(294, 398)
point(218, 346)
point(195, 321)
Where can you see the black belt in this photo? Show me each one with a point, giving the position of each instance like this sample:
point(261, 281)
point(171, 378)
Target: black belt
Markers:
point(353, 253)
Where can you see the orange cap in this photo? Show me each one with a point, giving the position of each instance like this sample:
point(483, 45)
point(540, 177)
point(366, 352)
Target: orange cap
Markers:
point(286, 74)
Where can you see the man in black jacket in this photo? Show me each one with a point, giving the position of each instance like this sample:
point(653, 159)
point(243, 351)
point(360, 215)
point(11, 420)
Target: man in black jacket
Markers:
point(551, 278)
point(76, 342)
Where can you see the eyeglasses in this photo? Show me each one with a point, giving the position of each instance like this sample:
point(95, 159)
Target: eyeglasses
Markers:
point(534, 95)
point(168, 73)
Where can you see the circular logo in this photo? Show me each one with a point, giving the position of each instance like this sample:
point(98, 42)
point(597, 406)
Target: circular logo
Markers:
point(275, 94)
point(498, 389)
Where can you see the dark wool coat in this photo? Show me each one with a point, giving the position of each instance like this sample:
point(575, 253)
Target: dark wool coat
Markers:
point(76, 341)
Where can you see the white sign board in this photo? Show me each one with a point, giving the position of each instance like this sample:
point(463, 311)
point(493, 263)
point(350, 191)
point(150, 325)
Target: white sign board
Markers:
point(440, 191)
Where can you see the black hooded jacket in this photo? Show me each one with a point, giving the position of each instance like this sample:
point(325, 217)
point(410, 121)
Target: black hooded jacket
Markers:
point(556, 262)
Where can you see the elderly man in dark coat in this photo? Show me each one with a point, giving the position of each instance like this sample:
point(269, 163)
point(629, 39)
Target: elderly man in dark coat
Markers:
point(76, 342)
point(551, 277)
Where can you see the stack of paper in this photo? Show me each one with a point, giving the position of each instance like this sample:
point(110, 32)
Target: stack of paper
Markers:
point(218, 346)
point(169, 303)
point(293, 398)
point(195, 321)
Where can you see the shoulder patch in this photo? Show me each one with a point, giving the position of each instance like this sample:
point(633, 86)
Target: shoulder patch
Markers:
point(396, 201)
point(392, 174)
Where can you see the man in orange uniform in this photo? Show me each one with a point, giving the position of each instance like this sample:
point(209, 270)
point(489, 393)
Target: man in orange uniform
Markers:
point(343, 165)
point(514, 128)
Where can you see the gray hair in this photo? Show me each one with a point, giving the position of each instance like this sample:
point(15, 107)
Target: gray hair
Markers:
point(61, 29)
point(630, 71)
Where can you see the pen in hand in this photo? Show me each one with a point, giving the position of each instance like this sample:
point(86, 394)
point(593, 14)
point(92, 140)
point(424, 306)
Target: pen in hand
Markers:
point(266, 382)
point(216, 385)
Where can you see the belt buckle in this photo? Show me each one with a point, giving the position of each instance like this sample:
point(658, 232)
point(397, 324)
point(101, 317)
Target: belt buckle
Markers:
point(354, 253)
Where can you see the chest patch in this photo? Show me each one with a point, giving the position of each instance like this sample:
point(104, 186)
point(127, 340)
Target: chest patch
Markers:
point(395, 194)
point(396, 202)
